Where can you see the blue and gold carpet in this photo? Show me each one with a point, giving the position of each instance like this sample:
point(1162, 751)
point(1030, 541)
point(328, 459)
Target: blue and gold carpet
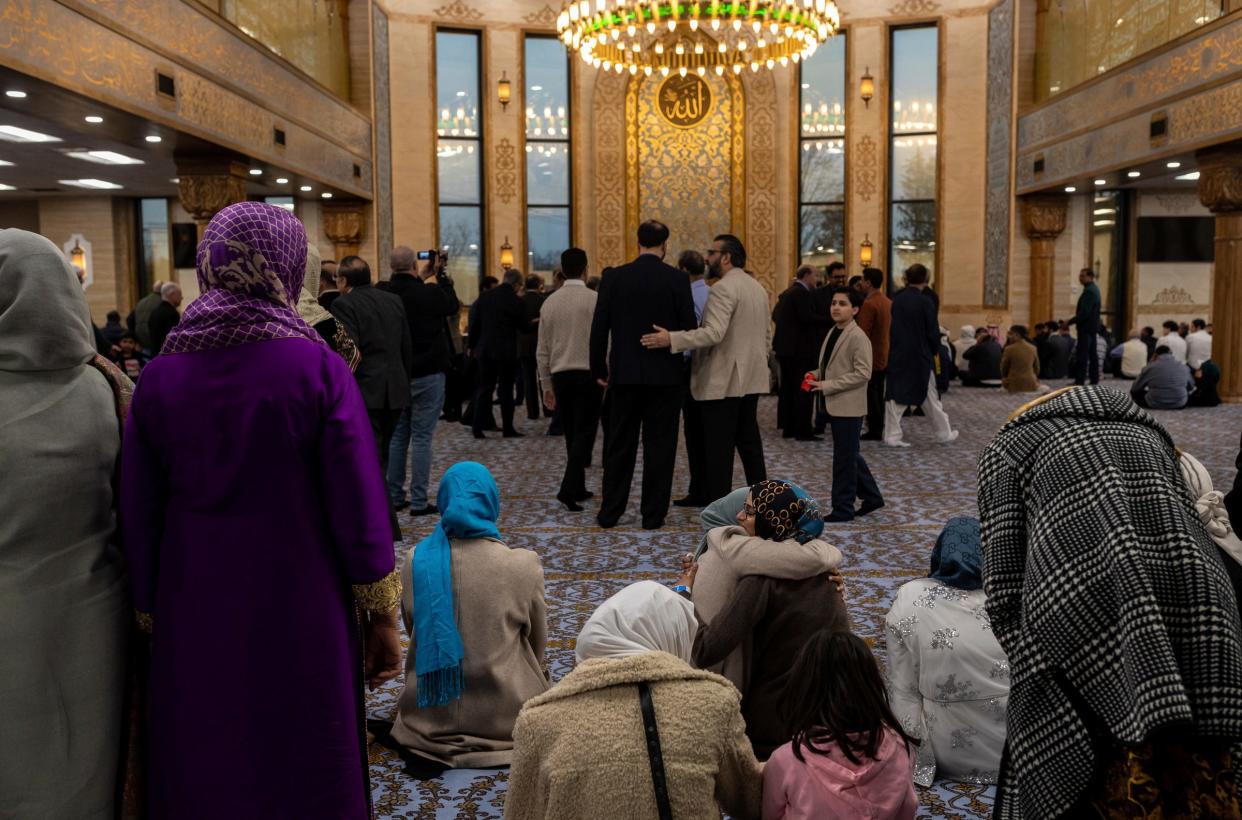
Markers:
point(922, 486)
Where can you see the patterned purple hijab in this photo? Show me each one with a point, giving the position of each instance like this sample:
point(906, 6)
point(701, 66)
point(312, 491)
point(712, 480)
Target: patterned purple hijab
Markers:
point(251, 263)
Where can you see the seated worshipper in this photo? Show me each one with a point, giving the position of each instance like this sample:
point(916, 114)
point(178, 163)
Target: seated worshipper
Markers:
point(764, 588)
point(1207, 378)
point(965, 341)
point(983, 361)
point(318, 317)
point(129, 358)
point(948, 678)
point(1057, 354)
point(579, 750)
point(849, 756)
point(477, 621)
point(723, 512)
point(1117, 617)
point(1213, 512)
point(66, 618)
point(1165, 384)
point(945, 368)
point(1019, 365)
point(1130, 357)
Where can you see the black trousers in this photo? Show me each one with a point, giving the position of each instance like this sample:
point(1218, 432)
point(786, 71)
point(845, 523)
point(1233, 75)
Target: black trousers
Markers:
point(493, 373)
point(696, 449)
point(875, 403)
point(383, 423)
point(652, 411)
point(1087, 357)
point(728, 425)
point(577, 405)
point(851, 477)
point(530, 386)
point(799, 405)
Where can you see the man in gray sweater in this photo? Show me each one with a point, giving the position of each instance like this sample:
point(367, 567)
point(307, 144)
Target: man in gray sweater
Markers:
point(1165, 384)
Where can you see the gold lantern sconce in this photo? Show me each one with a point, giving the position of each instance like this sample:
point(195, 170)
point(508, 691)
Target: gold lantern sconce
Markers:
point(866, 88)
point(504, 90)
point(78, 251)
point(506, 255)
point(864, 251)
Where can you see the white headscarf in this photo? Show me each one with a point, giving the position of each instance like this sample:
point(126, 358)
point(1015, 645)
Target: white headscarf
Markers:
point(643, 617)
point(967, 333)
point(1210, 505)
point(308, 303)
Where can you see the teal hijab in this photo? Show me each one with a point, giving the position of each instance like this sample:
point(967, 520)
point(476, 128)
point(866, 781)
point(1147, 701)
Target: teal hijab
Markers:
point(957, 558)
point(469, 503)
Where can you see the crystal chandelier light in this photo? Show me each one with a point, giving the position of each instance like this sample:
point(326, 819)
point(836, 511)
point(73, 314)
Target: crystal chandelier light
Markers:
point(631, 35)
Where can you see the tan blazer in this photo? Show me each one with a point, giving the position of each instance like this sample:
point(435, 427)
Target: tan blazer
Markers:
point(843, 378)
point(731, 346)
point(1020, 367)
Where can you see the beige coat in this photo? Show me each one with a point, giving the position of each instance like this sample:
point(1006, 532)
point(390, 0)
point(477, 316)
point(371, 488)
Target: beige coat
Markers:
point(731, 346)
point(502, 618)
point(581, 752)
point(1020, 367)
point(843, 380)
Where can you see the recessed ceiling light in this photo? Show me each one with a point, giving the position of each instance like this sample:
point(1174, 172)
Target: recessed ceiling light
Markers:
point(254, 172)
point(14, 134)
point(104, 157)
point(4, 187)
point(1191, 177)
point(326, 195)
point(1069, 189)
point(15, 94)
point(1172, 165)
point(99, 184)
point(175, 180)
point(305, 188)
point(281, 180)
point(1101, 182)
point(1134, 174)
point(154, 138)
point(4, 162)
point(536, 88)
point(93, 120)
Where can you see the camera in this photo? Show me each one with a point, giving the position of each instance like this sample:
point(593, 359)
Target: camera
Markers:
point(423, 256)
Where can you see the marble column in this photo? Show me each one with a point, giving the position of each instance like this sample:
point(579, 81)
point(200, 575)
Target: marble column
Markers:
point(343, 225)
point(1220, 190)
point(1043, 219)
point(208, 184)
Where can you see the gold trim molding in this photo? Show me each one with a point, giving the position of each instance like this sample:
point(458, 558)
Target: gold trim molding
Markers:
point(457, 10)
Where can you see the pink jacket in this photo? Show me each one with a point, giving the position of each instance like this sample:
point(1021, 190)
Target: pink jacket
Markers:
point(830, 786)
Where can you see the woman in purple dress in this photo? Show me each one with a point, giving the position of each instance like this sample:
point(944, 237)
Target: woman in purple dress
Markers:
point(256, 532)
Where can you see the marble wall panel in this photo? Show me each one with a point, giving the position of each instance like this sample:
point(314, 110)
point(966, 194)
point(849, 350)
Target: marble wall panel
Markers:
point(383, 134)
point(998, 222)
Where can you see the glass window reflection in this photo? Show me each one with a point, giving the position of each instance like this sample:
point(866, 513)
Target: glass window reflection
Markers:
point(548, 168)
point(548, 232)
point(457, 84)
point(821, 181)
point(459, 158)
point(913, 157)
point(461, 239)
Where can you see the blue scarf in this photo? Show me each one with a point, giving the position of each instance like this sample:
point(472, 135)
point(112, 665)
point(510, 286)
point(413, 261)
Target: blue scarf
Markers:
point(957, 559)
point(469, 505)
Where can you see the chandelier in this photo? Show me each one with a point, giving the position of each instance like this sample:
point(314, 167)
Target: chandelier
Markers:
point(639, 35)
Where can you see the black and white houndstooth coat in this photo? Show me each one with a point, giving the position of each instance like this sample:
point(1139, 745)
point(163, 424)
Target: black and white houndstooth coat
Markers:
point(1104, 590)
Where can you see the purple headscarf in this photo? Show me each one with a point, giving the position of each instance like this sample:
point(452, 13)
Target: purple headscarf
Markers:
point(251, 263)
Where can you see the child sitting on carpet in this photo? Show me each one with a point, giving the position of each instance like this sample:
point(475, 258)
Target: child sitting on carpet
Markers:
point(849, 756)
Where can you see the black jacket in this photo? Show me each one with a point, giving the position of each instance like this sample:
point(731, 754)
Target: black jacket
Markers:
point(914, 341)
point(376, 321)
point(1056, 359)
point(799, 323)
point(499, 316)
point(427, 304)
point(161, 322)
point(528, 340)
point(984, 359)
point(632, 299)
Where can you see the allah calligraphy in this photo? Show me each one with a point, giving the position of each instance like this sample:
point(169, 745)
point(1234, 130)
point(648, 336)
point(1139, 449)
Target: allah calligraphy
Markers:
point(685, 101)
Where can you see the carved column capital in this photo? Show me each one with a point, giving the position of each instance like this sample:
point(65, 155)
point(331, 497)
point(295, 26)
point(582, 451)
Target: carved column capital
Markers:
point(1043, 215)
point(342, 223)
point(208, 184)
point(1220, 177)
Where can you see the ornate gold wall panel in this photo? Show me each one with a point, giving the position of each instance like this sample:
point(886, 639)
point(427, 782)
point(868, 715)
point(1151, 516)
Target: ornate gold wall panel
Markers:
point(610, 138)
point(762, 182)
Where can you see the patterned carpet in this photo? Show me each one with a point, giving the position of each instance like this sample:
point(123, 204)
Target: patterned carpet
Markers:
point(923, 486)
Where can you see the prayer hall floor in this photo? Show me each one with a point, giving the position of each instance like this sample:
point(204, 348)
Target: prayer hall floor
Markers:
point(923, 486)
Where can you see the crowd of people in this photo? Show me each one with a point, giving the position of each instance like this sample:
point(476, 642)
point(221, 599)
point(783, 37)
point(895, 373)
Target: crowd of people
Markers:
point(159, 595)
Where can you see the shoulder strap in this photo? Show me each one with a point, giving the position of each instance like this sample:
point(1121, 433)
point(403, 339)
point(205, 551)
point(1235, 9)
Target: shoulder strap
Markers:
point(653, 751)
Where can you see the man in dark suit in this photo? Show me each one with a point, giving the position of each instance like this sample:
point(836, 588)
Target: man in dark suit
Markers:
point(834, 277)
point(499, 317)
point(798, 326)
point(914, 343)
point(376, 321)
point(876, 319)
point(645, 384)
point(164, 317)
point(528, 342)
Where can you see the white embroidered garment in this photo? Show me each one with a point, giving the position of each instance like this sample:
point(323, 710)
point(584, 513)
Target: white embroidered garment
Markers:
point(948, 681)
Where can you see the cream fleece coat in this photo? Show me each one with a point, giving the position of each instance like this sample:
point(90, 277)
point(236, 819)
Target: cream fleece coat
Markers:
point(580, 749)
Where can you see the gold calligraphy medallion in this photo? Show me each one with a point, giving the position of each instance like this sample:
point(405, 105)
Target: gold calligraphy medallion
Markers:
point(685, 101)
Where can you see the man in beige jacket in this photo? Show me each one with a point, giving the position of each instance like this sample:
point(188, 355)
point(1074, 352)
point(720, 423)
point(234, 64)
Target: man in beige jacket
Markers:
point(730, 367)
point(842, 378)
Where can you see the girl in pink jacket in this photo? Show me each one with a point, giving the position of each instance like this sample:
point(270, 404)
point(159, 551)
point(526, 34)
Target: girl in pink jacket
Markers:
point(849, 757)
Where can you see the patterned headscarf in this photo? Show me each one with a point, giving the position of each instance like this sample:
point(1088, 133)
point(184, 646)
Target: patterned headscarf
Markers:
point(783, 510)
point(251, 264)
point(957, 558)
point(308, 302)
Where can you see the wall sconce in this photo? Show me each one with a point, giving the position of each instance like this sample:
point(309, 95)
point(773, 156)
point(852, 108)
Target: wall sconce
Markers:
point(866, 88)
point(78, 251)
point(506, 255)
point(504, 90)
point(864, 251)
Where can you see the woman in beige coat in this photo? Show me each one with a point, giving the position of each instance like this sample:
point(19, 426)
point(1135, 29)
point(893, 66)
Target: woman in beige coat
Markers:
point(475, 612)
point(580, 747)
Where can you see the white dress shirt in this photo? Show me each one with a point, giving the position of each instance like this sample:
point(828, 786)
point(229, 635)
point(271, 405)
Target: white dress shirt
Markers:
point(1198, 348)
point(1176, 345)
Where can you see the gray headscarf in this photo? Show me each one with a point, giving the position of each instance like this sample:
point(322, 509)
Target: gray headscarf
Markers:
point(308, 300)
point(44, 321)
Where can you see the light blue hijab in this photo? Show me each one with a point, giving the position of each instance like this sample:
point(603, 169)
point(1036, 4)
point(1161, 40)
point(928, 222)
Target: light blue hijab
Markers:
point(469, 503)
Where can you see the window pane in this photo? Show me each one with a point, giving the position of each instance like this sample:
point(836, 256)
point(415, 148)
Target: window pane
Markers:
point(457, 84)
point(459, 171)
point(914, 167)
point(548, 232)
point(156, 250)
point(547, 88)
point(460, 238)
point(915, 64)
point(823, 170)
point(547, 174)
point(914, 236)
point(285, 202)
point(821, 233)
point(823, 90)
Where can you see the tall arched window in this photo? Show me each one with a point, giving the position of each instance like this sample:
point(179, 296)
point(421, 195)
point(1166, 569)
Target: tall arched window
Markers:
point(821, 143)
point(548, 183)
point(912, 228)
point(459, 156)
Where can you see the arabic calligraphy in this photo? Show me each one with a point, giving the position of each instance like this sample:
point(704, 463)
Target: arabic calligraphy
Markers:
point(685, 101)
